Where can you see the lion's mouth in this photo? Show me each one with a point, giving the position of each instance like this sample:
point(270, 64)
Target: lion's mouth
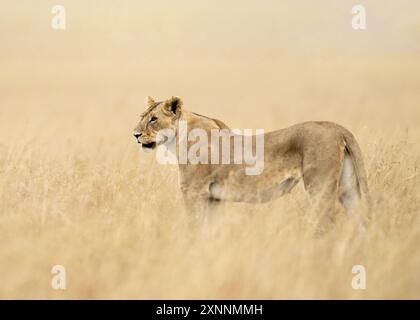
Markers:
point(148, 146)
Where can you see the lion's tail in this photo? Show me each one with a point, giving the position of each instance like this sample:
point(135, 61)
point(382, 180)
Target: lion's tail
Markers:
point(353, 149)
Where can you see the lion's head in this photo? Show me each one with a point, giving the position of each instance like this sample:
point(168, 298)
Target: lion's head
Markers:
point(158, 116)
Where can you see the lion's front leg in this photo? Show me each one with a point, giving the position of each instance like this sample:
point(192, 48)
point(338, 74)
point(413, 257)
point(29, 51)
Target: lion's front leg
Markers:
point(199, 205)
point(195, 205)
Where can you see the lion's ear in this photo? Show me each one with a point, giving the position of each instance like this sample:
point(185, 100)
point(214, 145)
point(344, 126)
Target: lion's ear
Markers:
point(173, 105)
point(150, 102)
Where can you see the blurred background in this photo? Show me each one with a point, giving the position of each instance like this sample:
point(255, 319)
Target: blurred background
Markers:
point(288, 58)
point(75, 190)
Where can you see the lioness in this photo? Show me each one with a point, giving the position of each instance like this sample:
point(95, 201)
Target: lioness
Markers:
point(324, 155)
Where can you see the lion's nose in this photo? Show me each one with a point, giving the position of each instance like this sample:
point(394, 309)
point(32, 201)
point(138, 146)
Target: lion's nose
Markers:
point(137, 135)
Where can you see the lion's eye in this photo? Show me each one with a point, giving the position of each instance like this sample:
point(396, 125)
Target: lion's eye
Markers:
point(153, 119)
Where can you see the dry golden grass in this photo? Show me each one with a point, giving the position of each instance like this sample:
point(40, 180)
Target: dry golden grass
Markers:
point(75, 189)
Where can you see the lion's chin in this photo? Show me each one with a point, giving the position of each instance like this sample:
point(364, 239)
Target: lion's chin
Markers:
point(148, 147)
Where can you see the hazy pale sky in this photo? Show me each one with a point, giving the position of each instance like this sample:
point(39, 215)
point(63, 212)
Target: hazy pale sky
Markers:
point(193, 30)
point(225, 55)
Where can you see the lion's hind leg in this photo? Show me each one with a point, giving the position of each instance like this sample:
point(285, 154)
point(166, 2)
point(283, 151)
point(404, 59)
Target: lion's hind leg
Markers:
point(349, 193)
point(321, 180)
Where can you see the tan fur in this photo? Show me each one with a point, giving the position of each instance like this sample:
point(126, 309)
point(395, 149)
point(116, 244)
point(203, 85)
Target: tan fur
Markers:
point(324, 155)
